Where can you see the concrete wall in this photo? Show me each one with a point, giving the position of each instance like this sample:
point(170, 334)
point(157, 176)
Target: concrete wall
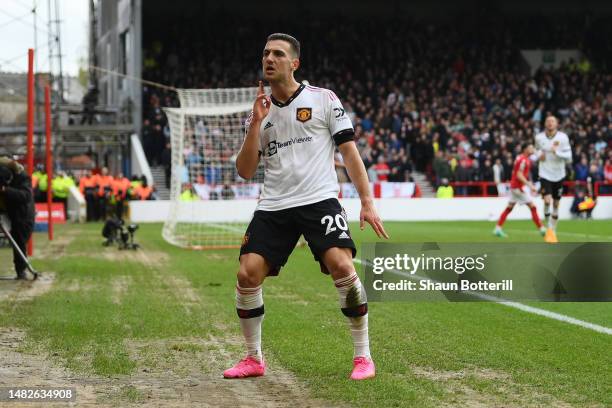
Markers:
point(392, 209)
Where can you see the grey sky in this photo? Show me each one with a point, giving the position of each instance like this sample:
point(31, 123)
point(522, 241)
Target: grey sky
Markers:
point(17, 36)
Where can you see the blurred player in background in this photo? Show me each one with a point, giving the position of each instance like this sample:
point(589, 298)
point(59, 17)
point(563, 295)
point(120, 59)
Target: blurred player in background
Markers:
point(520, 190)
point(554, 152)
point(296, 131)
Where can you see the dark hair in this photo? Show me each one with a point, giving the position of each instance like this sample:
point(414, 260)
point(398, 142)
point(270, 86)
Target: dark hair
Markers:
point(525, 145)
point(295, 44)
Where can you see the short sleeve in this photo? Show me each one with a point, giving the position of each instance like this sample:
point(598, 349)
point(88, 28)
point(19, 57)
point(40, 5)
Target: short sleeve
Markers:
point(338, 121)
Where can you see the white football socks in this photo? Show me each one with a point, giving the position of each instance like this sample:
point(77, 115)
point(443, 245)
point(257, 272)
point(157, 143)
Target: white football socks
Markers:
point(547, 214)
point(353, 301)
point(249, 303)
point(554, 218)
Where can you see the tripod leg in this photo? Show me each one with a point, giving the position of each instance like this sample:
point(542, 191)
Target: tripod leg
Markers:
point(16, 247)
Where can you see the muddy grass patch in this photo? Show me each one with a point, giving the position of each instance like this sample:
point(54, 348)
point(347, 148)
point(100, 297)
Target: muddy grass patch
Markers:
point(195, 366)
point(483, 387)
point(17, 291)
point(179, 372)
point(20, 369)
point(120, 285)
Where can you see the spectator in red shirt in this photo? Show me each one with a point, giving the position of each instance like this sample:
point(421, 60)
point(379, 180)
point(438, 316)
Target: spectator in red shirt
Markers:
point(608, 171)
point(382, 169)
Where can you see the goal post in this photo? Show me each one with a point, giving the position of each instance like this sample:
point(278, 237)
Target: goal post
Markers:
point(210, 204)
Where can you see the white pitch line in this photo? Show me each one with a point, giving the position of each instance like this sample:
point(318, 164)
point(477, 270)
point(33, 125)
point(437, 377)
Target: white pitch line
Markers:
point(516, 305)
point(535, 232)
point(570, 234)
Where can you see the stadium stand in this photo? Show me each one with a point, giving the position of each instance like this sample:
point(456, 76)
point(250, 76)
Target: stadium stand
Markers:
point(451, 100)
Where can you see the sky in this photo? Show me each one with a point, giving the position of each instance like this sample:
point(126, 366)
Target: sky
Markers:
point(16, 36)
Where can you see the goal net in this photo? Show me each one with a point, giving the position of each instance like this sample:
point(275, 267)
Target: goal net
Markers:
point(211, 204)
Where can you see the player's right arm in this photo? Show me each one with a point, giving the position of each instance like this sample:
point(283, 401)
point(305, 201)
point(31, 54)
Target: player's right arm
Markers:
point(521, 177)
point(358, 175)
point(563, 150)
point(519, 171)
point(248, 157)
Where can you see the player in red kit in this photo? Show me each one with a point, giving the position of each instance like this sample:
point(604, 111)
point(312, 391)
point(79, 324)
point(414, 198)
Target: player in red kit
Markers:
point(519, 190)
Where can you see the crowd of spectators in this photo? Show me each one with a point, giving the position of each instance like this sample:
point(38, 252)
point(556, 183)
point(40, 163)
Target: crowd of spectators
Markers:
point(451, 99)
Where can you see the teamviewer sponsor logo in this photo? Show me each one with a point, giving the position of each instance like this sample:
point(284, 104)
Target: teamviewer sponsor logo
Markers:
point(274, 146)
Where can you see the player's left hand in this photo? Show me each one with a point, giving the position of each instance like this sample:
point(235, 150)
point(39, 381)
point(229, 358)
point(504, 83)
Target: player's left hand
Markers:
point(370, 215)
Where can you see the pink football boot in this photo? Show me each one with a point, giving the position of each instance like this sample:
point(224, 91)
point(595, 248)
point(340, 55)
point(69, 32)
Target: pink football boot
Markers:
point(247, 367)
point(363, 367)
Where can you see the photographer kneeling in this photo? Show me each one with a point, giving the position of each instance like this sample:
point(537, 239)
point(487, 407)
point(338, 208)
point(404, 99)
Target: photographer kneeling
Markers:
point(17, 202)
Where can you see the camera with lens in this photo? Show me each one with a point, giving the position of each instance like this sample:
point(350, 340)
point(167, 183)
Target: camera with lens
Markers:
point(115, 231)
point(127, 237)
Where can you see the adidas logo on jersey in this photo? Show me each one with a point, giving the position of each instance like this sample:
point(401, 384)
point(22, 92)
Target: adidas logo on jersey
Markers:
point(268, 125)
point(344, 235)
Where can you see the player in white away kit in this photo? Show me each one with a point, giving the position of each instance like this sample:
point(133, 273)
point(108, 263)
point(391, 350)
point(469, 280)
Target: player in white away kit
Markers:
point(295, 131)
point(554, 152)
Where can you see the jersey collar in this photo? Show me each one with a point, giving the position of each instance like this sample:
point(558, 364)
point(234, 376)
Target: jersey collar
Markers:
point(295, 95)
point(550, 137)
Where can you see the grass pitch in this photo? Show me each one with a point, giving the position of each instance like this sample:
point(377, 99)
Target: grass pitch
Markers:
point(127, 324)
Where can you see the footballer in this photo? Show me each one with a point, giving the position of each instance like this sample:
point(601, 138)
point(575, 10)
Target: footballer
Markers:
point(554, 152)
point(295, 131)
point(520, 190)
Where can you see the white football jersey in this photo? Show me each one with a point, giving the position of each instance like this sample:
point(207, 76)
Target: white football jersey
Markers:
point(553, 167)
point(297, 143)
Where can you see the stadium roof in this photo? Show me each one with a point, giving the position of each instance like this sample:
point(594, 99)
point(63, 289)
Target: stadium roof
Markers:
point(414, 8)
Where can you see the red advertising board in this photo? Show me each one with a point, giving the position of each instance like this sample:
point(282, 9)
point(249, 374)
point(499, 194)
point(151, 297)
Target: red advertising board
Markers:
point(57, 212)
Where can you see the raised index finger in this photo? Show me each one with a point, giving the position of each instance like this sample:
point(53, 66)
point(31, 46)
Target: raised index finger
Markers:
point(260, 90)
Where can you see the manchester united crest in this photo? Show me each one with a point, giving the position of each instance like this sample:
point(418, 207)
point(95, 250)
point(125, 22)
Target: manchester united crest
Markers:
point(303, 114)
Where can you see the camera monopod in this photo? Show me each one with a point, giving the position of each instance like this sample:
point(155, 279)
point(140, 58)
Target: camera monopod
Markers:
point(16, 247)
